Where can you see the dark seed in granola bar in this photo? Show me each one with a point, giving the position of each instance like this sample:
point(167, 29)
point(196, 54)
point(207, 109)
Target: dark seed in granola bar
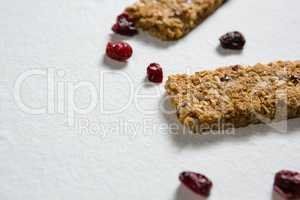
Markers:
point(287, 184)
point(233, 40)
point(295, 79)
point(196, 182)
point(235, 67)
point(225, 78)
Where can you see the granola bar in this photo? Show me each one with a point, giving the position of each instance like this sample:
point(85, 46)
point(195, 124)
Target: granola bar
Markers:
point(171, 19)
point(236, 96)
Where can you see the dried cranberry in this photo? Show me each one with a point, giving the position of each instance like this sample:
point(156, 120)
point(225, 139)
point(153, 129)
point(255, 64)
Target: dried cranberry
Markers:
point(233, 40)
point(196, 182)
point(287, 184)
point(124, 25)
point(155, 73)
point(120, 51)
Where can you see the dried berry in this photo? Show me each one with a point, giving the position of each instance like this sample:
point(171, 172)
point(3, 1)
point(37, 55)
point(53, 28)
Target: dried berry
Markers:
point(120, 51)
point(233, 40)
point(196, 182)
point(287, 184)
point(155, 73)
point(124, 25)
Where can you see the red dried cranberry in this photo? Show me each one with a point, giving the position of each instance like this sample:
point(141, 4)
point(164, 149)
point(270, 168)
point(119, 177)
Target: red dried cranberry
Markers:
point(155, 73)
point(120, 51)
point(287, 184)
point(124, 25)
point(196, 182)
point(233, 40)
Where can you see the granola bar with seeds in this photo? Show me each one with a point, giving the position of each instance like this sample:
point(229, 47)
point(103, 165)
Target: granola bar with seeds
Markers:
point(236, 96)
point(171, 19)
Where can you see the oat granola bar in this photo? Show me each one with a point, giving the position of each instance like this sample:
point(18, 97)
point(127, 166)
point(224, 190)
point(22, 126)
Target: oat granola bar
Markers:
point(171, 19)
point(236, 96)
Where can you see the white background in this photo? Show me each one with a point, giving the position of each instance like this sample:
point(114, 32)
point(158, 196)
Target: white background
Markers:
point(43, 157)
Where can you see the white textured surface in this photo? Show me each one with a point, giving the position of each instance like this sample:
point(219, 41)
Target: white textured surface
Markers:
point(42, 157)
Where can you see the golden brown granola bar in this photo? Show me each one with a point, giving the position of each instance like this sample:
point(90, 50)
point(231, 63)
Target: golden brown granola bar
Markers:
point(171, 19)
point(236, 95)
